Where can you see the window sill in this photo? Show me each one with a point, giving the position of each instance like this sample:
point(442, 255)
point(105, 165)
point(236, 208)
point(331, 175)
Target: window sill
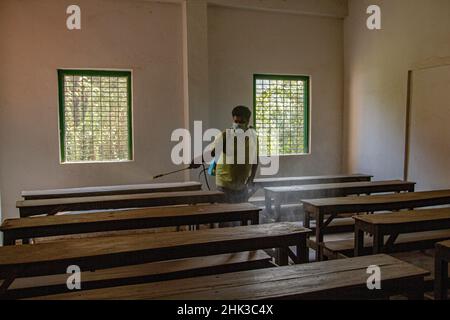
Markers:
point(292, 155)
point(97, 162)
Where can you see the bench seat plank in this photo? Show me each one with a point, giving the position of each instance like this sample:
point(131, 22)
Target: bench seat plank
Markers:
point(111, 190)
point(404, 242)
point(143, 273)
point(336, 279)
point(52, 206)
point(286, 181)
point(424, 259)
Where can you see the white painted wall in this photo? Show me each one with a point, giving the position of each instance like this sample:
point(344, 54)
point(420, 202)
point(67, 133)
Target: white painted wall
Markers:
point(413, 32)
point(429, 152)
point(139, 35)
point(244, 42)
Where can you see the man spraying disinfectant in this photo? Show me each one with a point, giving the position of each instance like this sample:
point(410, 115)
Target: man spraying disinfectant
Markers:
point(235, 153)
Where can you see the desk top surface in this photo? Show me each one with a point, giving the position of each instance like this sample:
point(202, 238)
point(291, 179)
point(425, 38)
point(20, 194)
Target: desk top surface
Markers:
point(50, 193)
point(102, 246)
point(307, 178)
point(96, 199)
point(338, 186)
point(406, 217)
point(445, 244)
point(122, 215)
point(378, 199)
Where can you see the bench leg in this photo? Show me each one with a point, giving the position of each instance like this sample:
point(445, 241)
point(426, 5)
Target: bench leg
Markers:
point(277, 203)
point(268, 202)
point(378, 242)
point(319, 237)
point(440, 278)
point(359, 242)
point(7, 283)
point(255, 219)
point(306, 220)
point(302, 251)
point(417, 289)
point(282, 256)
point(8, 240)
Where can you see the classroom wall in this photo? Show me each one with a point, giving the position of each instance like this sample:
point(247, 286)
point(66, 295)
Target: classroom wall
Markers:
point(429, 152)
point(160, 41)
point(245, 42)
point(414, 33)
point(143, 36)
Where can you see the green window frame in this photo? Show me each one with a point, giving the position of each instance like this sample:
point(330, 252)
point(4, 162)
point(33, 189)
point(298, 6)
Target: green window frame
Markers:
point(95, 116)
point(281, 105)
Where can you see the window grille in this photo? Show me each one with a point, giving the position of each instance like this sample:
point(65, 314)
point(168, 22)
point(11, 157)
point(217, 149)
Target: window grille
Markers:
point(95, 115)
point(281, 105)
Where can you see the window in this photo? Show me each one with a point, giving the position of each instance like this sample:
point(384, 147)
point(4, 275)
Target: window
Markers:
point(95, 115)
point(281, 105)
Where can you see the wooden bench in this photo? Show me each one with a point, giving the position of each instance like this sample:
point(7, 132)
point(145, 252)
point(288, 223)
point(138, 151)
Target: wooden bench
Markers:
point(442, 259)
point(109, 252)
point(111, 190)
point(405, 242)
point(424, 259)
point(289, 181)
point(289, 194)
point(330, 280)
point(158, 217)
point(333, 207)
point(394, 224)
point(143, 273)
point(29, 208)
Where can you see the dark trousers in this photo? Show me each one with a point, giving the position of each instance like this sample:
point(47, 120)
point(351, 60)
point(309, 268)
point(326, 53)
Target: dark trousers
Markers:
point(233, 196)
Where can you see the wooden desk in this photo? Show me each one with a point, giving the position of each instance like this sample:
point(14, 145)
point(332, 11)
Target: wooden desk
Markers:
point(442, 259)
point(111, 190)
point(290, 181)
point(109, 252)
point(394, 224)
point(29, 208)
point(289, 194)
point(158, 217)
point(318, 208)
point(330, 280)
point(24, 288)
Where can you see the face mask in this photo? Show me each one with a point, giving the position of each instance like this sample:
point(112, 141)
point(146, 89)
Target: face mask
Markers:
point(239, 126)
